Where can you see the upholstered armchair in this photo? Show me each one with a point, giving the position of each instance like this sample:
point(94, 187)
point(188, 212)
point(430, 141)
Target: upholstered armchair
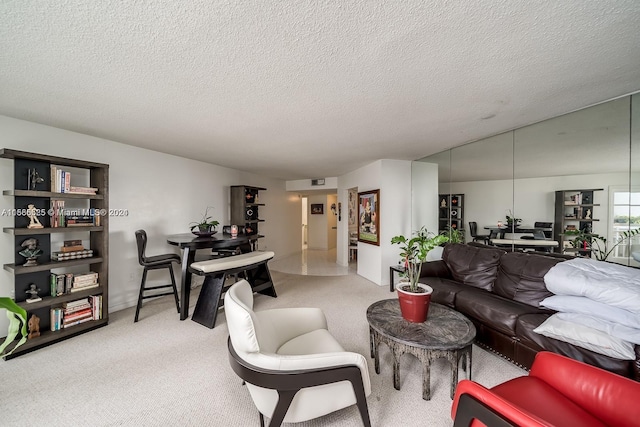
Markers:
point(293, 368)
point(558, 391)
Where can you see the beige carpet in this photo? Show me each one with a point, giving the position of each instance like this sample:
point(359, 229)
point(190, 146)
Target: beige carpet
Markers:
point(161, 371)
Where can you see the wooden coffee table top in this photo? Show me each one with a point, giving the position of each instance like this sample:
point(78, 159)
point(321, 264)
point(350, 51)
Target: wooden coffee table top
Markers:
point(444, 329)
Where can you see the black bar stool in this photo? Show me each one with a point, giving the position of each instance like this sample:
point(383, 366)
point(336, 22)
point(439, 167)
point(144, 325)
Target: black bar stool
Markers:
point(154, 263)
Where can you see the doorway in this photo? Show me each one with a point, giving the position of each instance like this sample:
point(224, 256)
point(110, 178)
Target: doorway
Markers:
point(305, 223)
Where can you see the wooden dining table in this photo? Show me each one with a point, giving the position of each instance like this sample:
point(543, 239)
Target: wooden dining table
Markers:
point(190, 243)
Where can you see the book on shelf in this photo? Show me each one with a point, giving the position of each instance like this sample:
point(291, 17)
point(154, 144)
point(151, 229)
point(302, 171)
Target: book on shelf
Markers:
point(78, 314)
point(77, 322)
point(83, 302)
point(82, 190)
point(69, 310)
point(56, 319)
point(71, 248)
point(74, 242)
point(82, 288)
point(96, 305)
point(85, 279)
point(57, 217)
point(57, 283)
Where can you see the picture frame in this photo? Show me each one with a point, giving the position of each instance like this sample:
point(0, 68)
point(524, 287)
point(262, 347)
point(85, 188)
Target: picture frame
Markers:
point(317, 208)
point(369, 217)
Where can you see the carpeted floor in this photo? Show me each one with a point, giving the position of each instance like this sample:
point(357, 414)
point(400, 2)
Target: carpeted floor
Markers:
point(161, 371)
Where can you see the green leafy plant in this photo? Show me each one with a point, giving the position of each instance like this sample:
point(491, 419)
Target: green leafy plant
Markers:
point(453, 234)
point(413, 251)
point(598, 244)
point(205, 224)
point(512, 220)
point(17, 316)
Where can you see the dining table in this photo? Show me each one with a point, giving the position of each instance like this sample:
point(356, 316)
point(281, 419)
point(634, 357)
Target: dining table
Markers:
point(500, 231)
point(190, 243)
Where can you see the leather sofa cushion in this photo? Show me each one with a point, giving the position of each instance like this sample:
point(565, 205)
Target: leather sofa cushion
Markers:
point(471, 265)
point(521, 277)
point(492, 310)
point(444, 290)
point(524, 331)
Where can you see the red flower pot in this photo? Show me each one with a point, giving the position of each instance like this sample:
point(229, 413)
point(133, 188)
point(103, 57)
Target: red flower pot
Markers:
point(414, 306)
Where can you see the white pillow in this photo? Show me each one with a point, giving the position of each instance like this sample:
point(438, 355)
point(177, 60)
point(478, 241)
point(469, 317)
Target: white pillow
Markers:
point(608, 283)
point(614, 329)
point(584, 305)
point(586, 337)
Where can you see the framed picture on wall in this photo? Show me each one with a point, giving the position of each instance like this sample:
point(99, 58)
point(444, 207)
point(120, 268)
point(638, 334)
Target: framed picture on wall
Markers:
point(369, 217)
point(317, 208)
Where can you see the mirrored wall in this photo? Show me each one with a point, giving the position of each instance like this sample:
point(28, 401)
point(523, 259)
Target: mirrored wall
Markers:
point(567, 183)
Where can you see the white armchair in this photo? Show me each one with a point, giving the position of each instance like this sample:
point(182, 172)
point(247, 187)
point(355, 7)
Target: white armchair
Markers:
point(293, 367)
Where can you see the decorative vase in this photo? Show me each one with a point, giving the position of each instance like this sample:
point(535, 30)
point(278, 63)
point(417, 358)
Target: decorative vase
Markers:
point(414, 306)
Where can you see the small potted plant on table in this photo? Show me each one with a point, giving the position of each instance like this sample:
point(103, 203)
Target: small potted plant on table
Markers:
point(414, 297)
point(206, 226)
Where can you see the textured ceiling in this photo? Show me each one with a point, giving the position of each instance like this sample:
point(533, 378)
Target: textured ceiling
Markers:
point(306, 89)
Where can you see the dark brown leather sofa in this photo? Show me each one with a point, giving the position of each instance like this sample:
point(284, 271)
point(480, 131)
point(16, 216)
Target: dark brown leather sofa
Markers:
point(500, 293)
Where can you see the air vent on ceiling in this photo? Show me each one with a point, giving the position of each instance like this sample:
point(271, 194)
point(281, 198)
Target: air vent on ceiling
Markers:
point(317, 181)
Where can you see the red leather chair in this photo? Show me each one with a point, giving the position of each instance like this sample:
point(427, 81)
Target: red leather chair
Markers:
point(558, 391)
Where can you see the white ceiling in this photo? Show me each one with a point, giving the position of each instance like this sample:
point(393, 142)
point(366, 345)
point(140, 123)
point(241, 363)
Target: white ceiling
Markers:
point(308, 89)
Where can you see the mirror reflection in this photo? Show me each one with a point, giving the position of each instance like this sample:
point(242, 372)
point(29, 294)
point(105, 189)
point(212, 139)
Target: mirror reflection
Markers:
point(562, 185)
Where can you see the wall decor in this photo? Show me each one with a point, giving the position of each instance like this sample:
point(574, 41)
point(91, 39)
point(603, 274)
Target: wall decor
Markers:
point(353, 208)
point(317, 208)
point(369, 217)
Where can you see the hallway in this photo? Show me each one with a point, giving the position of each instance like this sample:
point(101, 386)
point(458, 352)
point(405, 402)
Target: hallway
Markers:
point(310, 262)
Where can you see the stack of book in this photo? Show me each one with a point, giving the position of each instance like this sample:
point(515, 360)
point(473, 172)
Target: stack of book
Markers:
point(85, 281)
point(66, 256)
point(67, 283)
point(79, 220)
point(76, 312)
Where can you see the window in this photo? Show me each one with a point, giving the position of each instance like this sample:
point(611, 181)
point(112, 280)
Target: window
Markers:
point(625, 214)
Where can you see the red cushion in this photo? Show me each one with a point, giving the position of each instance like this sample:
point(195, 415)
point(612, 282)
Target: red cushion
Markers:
point(537, 397)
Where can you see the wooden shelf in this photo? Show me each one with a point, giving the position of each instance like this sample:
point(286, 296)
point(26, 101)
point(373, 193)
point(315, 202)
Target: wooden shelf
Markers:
point(20, 269)
point(239, 207)
point(48, 230)
point(562, 208)
point(48, 337)
point(96, 175)
point(59, 300)
point(51, 195)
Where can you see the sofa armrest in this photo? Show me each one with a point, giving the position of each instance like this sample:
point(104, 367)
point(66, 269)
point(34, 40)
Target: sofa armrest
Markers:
point(475, 402)
point(435, 269)
point(599, 392)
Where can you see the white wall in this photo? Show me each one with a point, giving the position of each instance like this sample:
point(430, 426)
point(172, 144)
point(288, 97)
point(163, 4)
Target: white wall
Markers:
point(393, 178)
point(424, 188)
point(162, 193)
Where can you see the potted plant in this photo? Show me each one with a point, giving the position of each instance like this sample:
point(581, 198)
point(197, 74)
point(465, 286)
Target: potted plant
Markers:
point(597, 244)
point(512, 220)
point(414, 297)
point(206, 226)
point(453, 234)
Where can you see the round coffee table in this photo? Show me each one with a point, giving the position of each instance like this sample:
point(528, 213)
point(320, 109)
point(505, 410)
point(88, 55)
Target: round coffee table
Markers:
point(445, 334)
